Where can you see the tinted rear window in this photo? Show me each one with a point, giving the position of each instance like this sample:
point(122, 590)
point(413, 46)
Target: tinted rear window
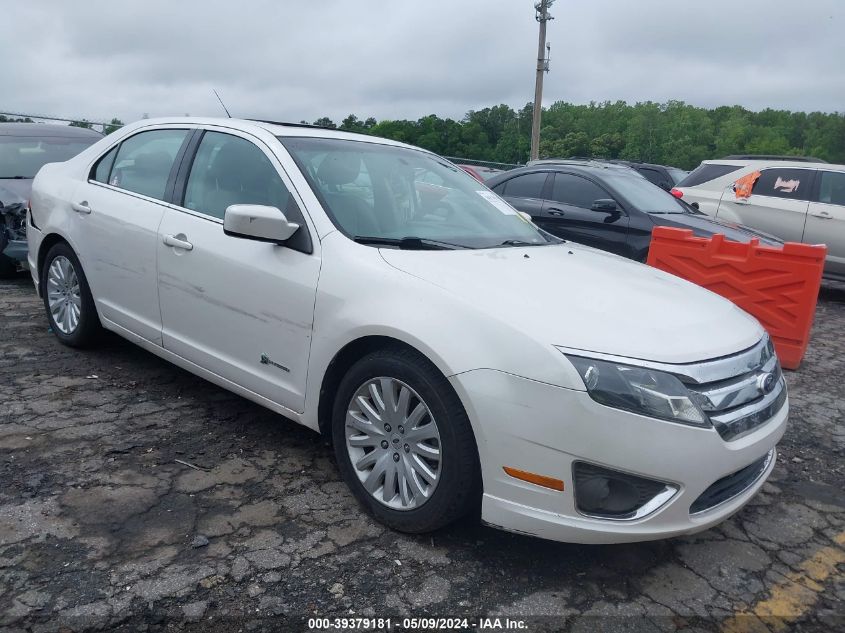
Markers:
point(23, 156)
point(706, 173)
point(793, 184)
point(525, 186)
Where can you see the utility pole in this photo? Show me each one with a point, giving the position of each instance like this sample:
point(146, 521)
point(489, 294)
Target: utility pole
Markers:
point(542, 16)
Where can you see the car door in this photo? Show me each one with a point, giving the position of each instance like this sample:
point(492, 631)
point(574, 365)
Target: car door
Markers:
point(118, 212)
point(778, 202)
point(826, 219)
point(240, 308)
point(567, 213)
point(525, 192)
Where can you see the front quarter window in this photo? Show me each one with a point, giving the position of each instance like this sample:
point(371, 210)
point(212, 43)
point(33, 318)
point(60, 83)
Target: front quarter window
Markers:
point(381, 193)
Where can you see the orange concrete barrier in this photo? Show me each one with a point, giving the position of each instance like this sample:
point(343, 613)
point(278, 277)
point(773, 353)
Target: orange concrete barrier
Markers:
point(778, 286)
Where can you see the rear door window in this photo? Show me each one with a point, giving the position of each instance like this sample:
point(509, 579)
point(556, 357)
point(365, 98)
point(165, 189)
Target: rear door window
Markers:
point(792, 184)
point(832, 187)
point(102, 169)
point(706, 173)
point(144, 161)
point(525, 186)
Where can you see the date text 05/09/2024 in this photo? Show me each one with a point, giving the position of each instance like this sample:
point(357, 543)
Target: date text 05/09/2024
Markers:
point(416, 624)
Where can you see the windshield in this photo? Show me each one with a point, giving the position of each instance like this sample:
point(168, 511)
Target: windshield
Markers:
point(643, 195)
point(388, 193)
point(23, 156)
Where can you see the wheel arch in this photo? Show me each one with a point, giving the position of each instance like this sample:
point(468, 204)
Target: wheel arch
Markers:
point(347, 356)
point(48, 242)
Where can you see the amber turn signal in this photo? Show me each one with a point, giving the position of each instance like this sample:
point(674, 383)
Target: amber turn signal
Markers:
point(539, 480)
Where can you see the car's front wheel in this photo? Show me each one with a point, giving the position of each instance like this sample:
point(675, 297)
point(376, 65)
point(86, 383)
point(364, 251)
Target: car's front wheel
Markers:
point(67, 298)
point(404, 443)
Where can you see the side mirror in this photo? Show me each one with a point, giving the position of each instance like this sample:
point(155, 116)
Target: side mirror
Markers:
point(258, 222)
point(605, 205)
point(525, 216)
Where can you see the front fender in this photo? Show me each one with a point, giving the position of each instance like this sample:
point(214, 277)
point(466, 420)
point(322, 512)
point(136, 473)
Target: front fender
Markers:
point(360, 295)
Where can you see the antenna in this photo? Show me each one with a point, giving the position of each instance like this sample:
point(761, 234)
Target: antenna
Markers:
point(221, 103)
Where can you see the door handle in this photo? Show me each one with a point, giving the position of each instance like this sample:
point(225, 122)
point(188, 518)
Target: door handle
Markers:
point(741, 201)
point(178, 242)
point(822, 215)
point(555, 211)
point(81, 207)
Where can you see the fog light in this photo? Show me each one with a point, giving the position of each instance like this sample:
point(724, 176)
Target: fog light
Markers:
point(610, 494)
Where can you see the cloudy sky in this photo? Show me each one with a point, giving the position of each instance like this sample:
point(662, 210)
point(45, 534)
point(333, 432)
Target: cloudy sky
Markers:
point(293, 60)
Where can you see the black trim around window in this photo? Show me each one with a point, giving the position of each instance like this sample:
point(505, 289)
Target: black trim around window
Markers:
point(178, 177)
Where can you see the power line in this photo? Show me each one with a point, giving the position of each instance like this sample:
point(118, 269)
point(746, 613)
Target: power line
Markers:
point(55, 118)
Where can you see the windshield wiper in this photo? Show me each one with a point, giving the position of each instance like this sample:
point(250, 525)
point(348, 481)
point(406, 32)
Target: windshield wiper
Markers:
point(409, 243)
point(519, 243)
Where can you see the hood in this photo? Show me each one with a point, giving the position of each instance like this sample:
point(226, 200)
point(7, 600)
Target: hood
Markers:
point(705, 226)
point(577, 297)
point(22, 187)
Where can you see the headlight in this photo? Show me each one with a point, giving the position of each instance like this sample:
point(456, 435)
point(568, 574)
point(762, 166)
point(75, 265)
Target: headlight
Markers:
point(639, 390)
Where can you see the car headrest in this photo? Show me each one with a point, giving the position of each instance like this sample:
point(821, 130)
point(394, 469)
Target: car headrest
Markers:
point(339, 168)
point(152, 162)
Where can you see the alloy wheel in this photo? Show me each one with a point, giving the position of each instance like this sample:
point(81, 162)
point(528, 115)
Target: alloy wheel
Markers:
point(63, 296)
point(393, 443)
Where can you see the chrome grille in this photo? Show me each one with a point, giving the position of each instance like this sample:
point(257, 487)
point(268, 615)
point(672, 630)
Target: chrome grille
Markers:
point(750, 390)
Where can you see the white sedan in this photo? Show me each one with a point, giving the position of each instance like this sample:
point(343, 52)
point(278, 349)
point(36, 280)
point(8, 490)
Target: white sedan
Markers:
point(449, 349)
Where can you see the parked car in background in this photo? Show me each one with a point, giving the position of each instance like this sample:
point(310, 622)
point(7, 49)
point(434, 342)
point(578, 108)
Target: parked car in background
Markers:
point(24, 149)
point(606, 206)
point(451, 353)
point(796, 200)
point(663, 176)
point(12, 231)
point(481, 174)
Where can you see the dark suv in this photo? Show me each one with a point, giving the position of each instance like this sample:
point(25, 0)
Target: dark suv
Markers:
point(606, 206)
point(663, 176)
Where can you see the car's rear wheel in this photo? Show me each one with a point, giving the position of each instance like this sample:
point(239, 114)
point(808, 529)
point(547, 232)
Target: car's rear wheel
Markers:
point(404, 443)
point(67, 298)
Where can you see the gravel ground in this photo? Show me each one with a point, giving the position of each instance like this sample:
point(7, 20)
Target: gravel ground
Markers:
point(105, 524)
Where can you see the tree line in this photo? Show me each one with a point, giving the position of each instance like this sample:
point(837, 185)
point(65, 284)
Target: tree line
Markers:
point(671, 133)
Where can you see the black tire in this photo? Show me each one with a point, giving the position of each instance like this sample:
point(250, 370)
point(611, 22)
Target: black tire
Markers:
point(8, 267)
point(88, 329)
point(460, 478)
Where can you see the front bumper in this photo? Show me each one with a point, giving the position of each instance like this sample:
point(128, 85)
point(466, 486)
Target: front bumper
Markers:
point(543, 429)
point(16, 249)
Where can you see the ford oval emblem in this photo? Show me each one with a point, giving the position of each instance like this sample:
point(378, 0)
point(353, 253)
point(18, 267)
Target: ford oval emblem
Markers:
point(766, 383)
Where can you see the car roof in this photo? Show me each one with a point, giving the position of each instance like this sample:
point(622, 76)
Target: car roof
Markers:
point(794, 164)
point(582, 167)
point(636, 163)
point(276, 128)
point(47, 129)
point(794, 159)
point(579, 163)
